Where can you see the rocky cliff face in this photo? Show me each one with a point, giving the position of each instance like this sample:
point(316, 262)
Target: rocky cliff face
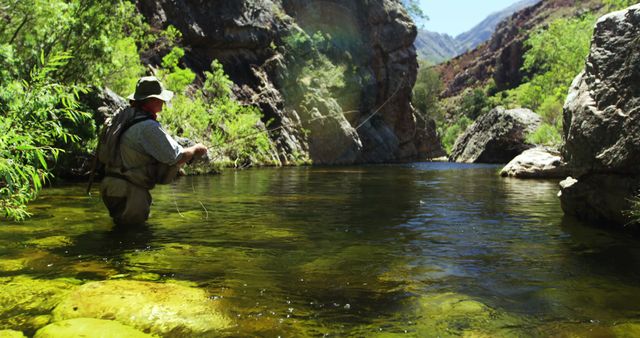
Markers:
point(501, 57)
point(602, 124)
point(361, 114)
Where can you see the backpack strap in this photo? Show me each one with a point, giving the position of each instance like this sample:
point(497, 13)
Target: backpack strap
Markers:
point(131, 124)
point(95, 158)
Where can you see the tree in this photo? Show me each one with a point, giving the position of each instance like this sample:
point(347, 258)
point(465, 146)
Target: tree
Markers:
point(414, 9)
point(426, 90)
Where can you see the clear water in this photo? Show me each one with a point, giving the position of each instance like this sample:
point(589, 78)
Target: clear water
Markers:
point(427, 249)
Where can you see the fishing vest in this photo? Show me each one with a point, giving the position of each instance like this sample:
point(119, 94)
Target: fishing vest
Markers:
point(140, 168)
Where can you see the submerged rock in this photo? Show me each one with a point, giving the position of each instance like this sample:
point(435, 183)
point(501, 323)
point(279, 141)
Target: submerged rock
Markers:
point(535, 163)
point(453, 314)
point(89, 327)
point(50, 242)
point(496, 137)
point(452, 305)
point(602, 124)
point(11, 334)
point(25, 302)
point(169, 310)
point(27, 259)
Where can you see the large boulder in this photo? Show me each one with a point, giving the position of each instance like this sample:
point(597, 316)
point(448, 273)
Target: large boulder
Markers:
point(496, 137)
point(536, 163)
point(165, 309)
point(602, 124)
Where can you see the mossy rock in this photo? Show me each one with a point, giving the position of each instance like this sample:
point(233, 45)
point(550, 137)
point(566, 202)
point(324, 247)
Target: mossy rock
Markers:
point(25, 303)
point(51, 242)
point(452, 304)
point(628, 330)
point(25, 259)
point(456, 314)
point(92, 270)
point(578, 330)
point(11, 334)
point(89, 327)
point(169, 310)
point(176, 257)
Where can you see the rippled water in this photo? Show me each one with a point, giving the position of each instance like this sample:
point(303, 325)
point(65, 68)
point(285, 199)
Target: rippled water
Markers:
point(431, 249)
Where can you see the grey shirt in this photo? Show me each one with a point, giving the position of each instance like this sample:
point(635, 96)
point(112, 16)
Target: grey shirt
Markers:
point(148, 137)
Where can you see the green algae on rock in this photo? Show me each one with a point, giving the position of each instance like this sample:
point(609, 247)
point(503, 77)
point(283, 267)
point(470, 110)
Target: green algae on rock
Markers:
point(456, 314)
point(24, 260)
point(26, 302)
point(50, 242)
point(176, 257)
point(11, 334)
point(89, 327)
point(169, 310)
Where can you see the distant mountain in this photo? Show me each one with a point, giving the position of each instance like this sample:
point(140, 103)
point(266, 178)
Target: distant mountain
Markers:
point(482, 32)
point(436, 47)
point(500, 60)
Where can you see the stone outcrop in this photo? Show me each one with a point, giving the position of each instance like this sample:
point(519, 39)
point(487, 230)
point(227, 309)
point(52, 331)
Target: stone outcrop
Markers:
point(496, 137)
point(602, 124)
point(169, 310)
point(536, 163)
point(365, 117)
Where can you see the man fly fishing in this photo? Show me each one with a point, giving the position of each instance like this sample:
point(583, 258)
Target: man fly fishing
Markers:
point(138, 154)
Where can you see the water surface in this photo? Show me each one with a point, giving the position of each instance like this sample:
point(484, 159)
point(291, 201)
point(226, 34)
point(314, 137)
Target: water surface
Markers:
point(427, 249)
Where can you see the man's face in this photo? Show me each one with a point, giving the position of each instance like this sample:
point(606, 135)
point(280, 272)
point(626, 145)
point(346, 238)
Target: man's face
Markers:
point(155, 105)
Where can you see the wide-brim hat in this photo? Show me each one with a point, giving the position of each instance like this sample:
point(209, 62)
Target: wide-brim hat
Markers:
point(150, 86)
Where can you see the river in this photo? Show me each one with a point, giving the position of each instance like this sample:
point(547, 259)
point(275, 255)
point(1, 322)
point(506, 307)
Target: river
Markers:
point(424, 249)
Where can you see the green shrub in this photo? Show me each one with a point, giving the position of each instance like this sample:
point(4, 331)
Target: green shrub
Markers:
point(425, 93)
point(555, 57)
point(546, 134)
point(233, 132)
point(614, 5)
point(451, 133)
point(50, 51)
point(37, 115)
point(127, 68)
point(88, 30)
point(474, 103)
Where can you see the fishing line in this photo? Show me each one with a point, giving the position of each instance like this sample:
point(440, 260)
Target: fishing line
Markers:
point(206, 212)
point(384, 104)
point(175, 199)
point(233, 141)
point(206, 217)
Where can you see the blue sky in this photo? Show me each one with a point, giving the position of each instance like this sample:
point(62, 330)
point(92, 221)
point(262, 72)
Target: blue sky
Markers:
point(458, 16)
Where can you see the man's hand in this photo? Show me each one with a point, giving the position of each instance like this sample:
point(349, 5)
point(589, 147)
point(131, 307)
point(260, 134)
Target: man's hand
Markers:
point(193, 152)
point(199, 150)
